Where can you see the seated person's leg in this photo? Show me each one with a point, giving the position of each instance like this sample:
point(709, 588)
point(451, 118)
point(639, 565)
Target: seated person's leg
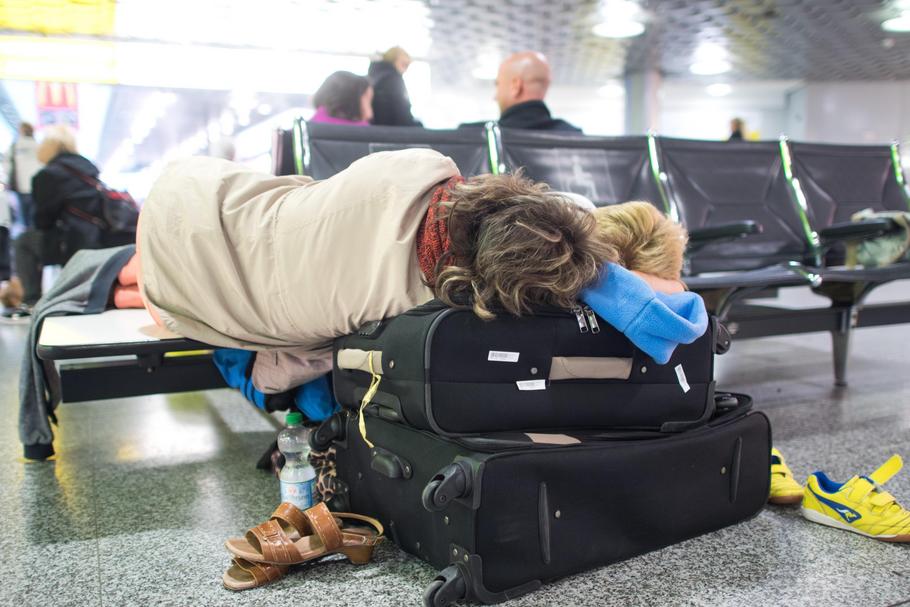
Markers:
point(5, 269)
point(127, 297)
point(129, 275)
point(29, 265)
point(126, 291)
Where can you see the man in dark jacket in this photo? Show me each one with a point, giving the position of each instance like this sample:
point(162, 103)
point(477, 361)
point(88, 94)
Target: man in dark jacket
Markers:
point(65, 204)
point(737, 126)
point(391, 105)
point(521, 85)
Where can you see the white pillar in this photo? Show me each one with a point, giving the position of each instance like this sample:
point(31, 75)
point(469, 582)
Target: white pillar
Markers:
point(643, 101)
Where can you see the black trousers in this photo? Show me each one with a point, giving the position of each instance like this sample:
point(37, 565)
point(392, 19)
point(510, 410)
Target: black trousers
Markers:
point(26, 211)
point(5, 268)
point(29, 266)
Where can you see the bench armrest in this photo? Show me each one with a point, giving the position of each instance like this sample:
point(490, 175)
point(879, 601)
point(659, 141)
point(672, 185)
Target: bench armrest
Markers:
point(860, 230)
point(728, 231)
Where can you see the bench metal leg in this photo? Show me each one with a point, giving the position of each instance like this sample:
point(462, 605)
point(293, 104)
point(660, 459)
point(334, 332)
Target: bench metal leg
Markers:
point(840, 342)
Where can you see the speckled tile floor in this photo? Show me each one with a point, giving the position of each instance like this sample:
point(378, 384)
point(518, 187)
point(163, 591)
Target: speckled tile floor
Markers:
point(144, 490)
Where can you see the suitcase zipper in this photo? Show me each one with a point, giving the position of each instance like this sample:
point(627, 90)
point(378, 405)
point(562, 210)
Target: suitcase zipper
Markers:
point(580, 317)
point(592, 320)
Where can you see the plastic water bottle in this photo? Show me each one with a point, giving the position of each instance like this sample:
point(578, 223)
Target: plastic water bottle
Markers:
point(297, 477)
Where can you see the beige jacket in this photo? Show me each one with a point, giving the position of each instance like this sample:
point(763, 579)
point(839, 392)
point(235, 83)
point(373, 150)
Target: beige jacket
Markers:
point(240, 259)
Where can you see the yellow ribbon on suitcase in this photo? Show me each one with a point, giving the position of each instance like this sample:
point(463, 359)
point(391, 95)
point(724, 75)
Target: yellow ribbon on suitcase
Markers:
point(374, 387)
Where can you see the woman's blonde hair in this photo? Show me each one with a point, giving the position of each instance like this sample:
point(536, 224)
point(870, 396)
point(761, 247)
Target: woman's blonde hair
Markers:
point(57, 140)
point(516, 247)
point(646, 240)
point(393, 54)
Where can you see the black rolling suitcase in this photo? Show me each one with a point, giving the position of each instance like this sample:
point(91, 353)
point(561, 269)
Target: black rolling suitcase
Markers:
point(502, 514)
point(446, 370)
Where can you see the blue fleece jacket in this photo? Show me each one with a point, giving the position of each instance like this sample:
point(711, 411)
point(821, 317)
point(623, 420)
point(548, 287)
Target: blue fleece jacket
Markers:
point(314, 399)
point(655, 322)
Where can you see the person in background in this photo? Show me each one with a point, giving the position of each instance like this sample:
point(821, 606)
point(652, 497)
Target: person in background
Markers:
point(20, 165)
point(344, 98)
point(737, 128)
point(391, 105)
point(5, 222)
point(521, 85)
point(63, 201)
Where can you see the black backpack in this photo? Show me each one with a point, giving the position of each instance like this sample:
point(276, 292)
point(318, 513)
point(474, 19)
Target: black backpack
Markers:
point(119, 213)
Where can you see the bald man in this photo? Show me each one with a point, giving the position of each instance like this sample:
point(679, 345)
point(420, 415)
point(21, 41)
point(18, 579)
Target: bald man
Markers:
point(521, 86)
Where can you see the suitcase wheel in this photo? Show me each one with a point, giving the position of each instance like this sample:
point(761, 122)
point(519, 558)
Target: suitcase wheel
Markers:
point(448, 587)
point(722, 339)
point(326, 433)
point(450, 483)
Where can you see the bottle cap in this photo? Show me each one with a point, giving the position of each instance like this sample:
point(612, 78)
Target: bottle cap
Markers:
point(294, 418)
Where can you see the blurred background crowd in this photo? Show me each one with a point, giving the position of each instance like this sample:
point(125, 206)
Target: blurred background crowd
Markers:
point(143, 82)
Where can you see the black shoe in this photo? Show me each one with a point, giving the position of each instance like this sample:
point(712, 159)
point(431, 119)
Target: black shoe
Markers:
point(272, 460)
point(21, 314)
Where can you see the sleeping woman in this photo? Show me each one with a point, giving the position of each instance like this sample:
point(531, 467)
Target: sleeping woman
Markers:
point(283, 265)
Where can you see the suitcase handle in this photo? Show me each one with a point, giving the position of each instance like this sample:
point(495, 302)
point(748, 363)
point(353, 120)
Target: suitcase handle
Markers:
point(354, 359)
point(390, 465)
point(730, 405)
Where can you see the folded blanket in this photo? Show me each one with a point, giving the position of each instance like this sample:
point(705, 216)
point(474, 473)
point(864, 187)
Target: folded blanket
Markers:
point(655, 322)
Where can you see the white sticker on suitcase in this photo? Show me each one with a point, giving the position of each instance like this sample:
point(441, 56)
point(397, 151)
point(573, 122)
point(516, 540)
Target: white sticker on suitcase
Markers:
point(681, 376)
point(503, 357)
point(532, 384)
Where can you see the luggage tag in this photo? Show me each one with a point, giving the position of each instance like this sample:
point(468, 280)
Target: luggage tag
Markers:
point(532, 384)
point(681, 377)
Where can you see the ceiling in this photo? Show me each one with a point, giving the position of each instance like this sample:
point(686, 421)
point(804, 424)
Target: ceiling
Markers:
point(778, 39)
point(763, 39)
point(773, 39)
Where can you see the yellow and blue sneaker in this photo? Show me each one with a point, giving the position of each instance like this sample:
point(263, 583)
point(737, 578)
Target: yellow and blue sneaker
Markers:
point(784, 488)
point(860, 505)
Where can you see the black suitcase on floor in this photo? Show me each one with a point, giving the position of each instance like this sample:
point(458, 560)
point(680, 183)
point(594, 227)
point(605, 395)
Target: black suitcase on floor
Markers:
point(503, 514)
point(446, 370)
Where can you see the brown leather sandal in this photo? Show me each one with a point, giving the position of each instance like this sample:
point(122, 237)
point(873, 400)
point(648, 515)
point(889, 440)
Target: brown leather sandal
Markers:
point(243, 575)
point(294, 537)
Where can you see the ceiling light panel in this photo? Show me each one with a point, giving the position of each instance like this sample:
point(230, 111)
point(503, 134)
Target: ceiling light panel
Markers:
point(620, 19)
point(898, 24)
